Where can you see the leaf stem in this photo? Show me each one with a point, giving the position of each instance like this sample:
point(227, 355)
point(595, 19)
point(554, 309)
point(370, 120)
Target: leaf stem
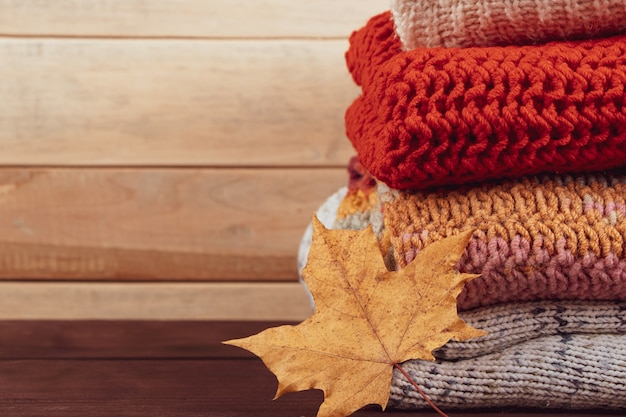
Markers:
point(412, 382)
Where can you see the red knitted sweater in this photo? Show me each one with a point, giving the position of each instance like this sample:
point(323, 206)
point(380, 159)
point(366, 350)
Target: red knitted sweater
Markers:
point(438, 116)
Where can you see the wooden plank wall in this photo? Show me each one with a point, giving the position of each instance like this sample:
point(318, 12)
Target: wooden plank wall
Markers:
point(160, 159)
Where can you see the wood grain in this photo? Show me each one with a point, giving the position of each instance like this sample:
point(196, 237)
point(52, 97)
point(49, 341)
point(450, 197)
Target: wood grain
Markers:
point(142, 388)
point(172, 388)
point(87, 384)
point(186, 18)
point(153, 301)
point(173, 103)
point(123, 339)
point(157, 224)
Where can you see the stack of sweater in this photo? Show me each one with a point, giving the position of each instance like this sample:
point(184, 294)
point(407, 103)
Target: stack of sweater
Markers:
point(505, 117)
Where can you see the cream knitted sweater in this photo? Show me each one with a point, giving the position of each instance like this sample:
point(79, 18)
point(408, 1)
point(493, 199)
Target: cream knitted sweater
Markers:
point(463, 23)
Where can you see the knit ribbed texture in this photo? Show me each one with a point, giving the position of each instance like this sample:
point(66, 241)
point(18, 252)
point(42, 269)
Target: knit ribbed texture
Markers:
point(537, 238)
point(437, 116)
point(361, 204)
point(500, 368)
point(571, 371)
point(549, 354)
point(548, 237)
point(463, 23)
point(526, 145)
point(514, 323)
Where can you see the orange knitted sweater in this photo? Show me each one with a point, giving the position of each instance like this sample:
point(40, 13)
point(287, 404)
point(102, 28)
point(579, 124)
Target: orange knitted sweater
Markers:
point(437, 116)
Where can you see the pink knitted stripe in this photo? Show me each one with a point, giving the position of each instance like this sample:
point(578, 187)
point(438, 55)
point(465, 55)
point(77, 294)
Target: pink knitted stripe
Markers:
point(464, 23)
point(535, 238)
point(521, 271)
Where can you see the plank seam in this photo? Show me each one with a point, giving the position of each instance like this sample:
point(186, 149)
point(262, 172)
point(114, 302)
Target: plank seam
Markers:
point(174, 166)
point(43, 36)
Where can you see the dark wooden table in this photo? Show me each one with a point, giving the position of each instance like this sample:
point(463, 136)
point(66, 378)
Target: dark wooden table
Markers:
point(150, 369)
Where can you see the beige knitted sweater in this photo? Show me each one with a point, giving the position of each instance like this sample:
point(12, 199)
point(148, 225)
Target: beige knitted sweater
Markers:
point(464, 23)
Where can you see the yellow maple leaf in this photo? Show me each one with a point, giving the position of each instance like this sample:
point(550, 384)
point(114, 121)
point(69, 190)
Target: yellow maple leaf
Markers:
point(366, 321)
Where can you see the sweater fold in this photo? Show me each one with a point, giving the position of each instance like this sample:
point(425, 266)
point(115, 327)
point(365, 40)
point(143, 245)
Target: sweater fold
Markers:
point(444, 116)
